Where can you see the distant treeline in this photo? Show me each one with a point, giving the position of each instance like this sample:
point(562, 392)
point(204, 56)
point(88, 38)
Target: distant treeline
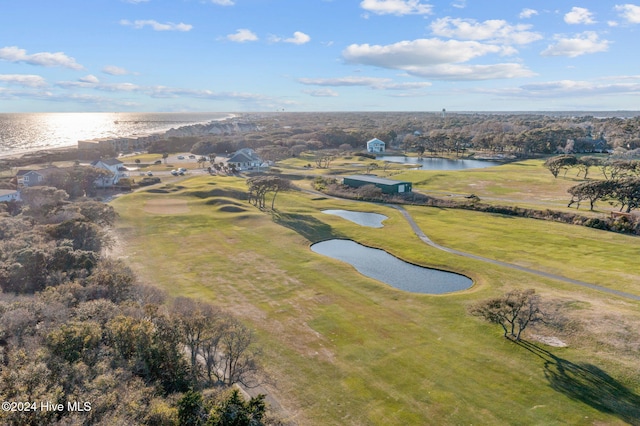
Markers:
point(520, 134)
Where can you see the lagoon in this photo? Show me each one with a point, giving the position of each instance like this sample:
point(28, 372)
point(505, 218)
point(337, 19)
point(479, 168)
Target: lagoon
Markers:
point(380, 265)
point(438, 163)
point(371, 220)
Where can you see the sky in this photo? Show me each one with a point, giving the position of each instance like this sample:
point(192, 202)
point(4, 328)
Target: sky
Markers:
point(318, 55)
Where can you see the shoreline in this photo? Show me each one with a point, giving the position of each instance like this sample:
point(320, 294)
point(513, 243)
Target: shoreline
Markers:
point(20, 154)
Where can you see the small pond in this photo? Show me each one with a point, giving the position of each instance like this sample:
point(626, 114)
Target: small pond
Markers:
point(371, 220)
point(438, 163)
point(380, 265)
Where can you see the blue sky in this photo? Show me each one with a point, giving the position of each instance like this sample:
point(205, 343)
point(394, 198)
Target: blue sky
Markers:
point(318, 55)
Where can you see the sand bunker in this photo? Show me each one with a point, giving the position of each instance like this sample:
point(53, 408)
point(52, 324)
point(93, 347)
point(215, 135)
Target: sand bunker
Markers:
point(166, 206)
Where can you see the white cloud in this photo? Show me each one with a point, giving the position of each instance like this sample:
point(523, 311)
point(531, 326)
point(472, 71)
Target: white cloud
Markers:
point(157, 26)
point(373, 82)
point(581, 44)
point(421, 52)
point(565, 89)
point(322, 93)
point(223, 2)
point(46, 59)
point(26, 80)
point(396, 7)
point(460, 4)
point(114, 70)
point(495, 30)
point(630, 12)
point(472, 72)
point(579, 15)
point(437, 59)
point(135, 1)
point(527, 13)
point(242, 35)
point(298, 38)
point(90, 79)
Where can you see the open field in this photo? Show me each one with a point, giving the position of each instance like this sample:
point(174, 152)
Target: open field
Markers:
point(346, 349)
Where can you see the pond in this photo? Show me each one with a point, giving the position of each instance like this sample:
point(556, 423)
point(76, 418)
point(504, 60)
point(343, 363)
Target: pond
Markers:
point(438, 163)
point(380, 265)
point(371, 220)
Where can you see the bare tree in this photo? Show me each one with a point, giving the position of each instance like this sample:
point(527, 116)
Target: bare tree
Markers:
point(259, 186)
point(238, 354)
point(514, 311)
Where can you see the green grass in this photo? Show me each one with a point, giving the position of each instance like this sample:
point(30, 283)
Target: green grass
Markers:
point(525, 183)
point(346, 349)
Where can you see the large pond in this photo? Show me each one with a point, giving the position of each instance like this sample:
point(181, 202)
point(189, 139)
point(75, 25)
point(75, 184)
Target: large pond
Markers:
point(438, 163)
point(380, 265)
point(371, 220)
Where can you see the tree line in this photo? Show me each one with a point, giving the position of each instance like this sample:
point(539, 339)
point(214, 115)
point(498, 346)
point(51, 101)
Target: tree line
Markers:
point(76, 326)
point(621, 186)
point(281, 135)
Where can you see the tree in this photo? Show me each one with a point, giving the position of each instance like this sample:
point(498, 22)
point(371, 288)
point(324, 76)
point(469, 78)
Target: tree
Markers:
point(591, 190)
point(198, 323)
point(238, 354)
point(259, 186)
point(371, 166)
point(191, 410)
point(626, 193)
point(555, 164)
point(514, 311)
point(235, 411)
point(165, 155)
point(585, 163)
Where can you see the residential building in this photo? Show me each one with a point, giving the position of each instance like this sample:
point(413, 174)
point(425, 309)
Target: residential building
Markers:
point(27, 178)
point(9, 195)
point(114, 167)
point(375, 145)
point(244, 159)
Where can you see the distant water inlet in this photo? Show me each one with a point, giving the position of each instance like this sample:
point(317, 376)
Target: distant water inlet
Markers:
point(371, 220)
point(380, 265)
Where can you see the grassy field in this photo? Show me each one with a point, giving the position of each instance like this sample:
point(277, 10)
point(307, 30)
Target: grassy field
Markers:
point(348, 350)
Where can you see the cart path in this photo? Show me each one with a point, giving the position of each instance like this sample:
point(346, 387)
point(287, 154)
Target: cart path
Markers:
point(427, 240)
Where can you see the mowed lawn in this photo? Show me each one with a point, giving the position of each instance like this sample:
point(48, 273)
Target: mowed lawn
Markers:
point(343, 349)
point(524, 183)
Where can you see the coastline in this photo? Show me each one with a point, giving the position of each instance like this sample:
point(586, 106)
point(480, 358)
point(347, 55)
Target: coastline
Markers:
point(20, 155)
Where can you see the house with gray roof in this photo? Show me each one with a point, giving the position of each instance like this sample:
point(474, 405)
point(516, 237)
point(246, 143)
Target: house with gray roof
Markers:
point(244, 159)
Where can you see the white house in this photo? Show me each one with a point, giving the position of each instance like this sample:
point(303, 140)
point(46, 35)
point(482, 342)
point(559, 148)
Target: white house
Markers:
point(244, 159)
point(9, 195)
point(375, 145)
point(114, 167)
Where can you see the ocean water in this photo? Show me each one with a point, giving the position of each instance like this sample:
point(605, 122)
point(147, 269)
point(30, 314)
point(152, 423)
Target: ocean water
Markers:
point(21, 132)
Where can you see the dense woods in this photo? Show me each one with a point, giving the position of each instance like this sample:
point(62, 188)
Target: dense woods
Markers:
point(79, 332)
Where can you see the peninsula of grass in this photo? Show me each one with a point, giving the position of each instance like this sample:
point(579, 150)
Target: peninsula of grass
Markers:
point(345, 349)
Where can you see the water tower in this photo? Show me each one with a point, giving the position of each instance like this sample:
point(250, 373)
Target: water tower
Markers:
point(443, 112)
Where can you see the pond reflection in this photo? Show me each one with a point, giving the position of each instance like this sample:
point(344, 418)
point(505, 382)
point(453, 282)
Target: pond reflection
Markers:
point(371, 220)
point(380, 265)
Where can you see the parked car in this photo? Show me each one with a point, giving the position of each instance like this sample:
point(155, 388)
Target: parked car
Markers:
point(157, 162)
point(182, 169)
point(180, 157)
point(149, 174)
point(174, 172)
point(192, 156)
